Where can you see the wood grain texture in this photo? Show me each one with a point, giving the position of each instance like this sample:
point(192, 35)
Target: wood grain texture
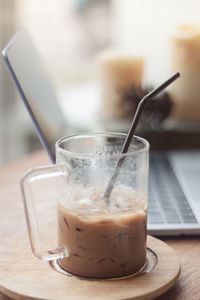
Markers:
point(13, 225)
point(25, 277)
point(188, 284)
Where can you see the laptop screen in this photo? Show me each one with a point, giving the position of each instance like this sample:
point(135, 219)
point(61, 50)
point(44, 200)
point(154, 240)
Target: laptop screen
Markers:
point(36, 90)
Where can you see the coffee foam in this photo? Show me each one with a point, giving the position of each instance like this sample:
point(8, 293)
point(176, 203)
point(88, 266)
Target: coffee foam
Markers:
point(90, 200)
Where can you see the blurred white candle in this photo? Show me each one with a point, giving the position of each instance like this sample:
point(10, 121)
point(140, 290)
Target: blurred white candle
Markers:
point(118, 72)
point(185, 58)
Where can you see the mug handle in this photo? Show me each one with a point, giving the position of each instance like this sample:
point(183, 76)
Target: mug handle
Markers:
point(30, 212)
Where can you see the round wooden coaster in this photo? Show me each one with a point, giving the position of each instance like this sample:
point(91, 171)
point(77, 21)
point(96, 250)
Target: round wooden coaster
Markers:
point(23, 276)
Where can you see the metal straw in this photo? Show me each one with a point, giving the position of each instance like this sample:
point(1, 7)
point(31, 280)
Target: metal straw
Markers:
point(130, 134)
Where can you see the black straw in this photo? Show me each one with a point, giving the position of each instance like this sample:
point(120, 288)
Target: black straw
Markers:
point(130, 134)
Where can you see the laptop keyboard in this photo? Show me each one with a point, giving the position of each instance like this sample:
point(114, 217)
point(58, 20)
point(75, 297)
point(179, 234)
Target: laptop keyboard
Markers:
point(167, 201)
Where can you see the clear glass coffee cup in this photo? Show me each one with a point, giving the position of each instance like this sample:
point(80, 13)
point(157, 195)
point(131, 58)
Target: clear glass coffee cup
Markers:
point(95, 239)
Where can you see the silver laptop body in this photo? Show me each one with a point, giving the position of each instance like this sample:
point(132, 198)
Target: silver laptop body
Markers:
point(174, 193)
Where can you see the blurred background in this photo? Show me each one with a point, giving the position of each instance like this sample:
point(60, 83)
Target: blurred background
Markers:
point(70, 35)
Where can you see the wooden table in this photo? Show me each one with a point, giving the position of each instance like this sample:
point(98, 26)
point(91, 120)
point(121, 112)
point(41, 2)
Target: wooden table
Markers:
point(13, 225)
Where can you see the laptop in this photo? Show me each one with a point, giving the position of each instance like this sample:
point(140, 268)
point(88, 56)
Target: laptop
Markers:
point(174, 189)
point(36, 90)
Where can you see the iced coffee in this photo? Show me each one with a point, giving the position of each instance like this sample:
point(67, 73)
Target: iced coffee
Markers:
point(95, 239)
point(102, 241)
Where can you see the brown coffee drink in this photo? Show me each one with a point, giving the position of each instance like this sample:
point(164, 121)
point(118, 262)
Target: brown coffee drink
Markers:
point(102, 241)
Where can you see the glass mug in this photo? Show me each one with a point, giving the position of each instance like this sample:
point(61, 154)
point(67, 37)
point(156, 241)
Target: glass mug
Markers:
point(94, 239)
